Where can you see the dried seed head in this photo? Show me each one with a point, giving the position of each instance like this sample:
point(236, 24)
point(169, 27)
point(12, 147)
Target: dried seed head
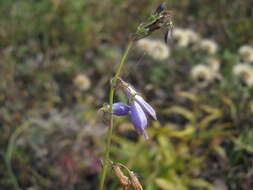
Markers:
point(135, 181)
point(160, 19)
point(160, 8)
point(124, 180)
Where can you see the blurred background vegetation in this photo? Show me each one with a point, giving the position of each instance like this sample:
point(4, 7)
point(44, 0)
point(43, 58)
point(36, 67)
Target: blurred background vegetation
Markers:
point(57, 57)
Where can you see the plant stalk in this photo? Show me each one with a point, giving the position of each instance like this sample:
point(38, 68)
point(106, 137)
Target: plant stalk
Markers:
point(109, 132)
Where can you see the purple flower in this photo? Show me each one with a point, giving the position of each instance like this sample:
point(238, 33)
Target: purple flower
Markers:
point(130, 92)
point(138, 118)
point(120, 108)
point(139, 108)
point(146, 107)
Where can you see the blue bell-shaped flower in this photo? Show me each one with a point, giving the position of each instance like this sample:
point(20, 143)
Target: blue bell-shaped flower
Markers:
point(120, 108)
point(138, 118)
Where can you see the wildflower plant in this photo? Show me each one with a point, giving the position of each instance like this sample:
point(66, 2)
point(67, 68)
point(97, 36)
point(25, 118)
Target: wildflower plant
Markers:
point(137, 108)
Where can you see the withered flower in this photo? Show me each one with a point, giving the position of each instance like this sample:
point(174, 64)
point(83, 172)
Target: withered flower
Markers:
point(125, 181)
point(160, 19)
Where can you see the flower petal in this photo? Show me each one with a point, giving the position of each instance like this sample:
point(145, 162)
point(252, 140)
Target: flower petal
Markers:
point(138, 118)
point(130, 91)
point(146, 107)
point(120, 108)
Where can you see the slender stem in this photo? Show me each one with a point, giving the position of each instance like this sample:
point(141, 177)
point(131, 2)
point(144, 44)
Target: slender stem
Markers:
point(130, 44)
point(109, 133)
point(108, 143)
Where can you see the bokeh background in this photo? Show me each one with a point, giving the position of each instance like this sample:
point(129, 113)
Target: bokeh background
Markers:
point(57, 58)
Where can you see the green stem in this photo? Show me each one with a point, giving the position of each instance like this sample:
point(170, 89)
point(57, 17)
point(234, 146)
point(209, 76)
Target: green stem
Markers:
point(129, 46)
point(10, 149)
point(109, 133)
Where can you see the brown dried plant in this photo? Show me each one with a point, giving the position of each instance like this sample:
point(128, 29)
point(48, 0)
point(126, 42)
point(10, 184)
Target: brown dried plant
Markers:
point(126, 181)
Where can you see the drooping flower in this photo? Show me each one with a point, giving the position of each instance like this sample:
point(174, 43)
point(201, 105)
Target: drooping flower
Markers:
point(146, 107)
point(133, 95)
point(139, 108)
point(120, 108)
point(136, 112)
point(246, 53)
point(138, 118)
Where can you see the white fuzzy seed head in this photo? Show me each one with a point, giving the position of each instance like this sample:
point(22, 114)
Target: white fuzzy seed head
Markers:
point(178, 33)
point(181, 37)
point(193, 37)
point(144, 44)
point(202, 74)
point(246, 53)
point(82, 82)
point(209, 46)
point(158, 50)
point(244, 72)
